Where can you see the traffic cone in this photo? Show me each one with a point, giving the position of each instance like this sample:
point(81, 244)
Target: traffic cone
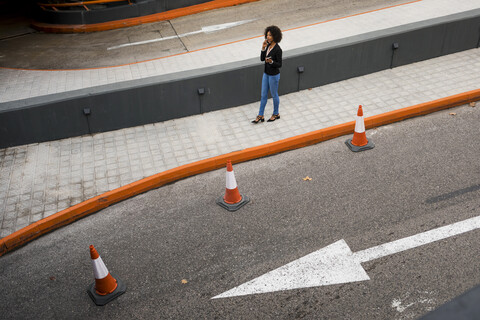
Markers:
point(106, 287)
point(232, 200)
point(359, 141)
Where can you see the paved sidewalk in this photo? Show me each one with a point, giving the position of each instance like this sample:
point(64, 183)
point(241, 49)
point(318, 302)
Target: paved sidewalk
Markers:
point(41, 179)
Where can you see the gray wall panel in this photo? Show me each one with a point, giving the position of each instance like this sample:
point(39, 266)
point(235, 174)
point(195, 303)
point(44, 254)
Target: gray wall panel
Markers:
point(43, 123)
point(467, 31)
point(232, 88)
point(141, 105)
point(419, 45)
point(113, 11)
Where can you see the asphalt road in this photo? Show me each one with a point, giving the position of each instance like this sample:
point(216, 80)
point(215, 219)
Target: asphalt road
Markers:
point(23, 47)
point(423, 174)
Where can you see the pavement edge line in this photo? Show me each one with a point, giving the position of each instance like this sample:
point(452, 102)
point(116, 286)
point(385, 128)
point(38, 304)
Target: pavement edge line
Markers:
point(64, 217)
point(130, 22)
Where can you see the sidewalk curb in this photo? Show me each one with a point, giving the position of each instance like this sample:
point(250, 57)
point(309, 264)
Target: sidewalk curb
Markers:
point(69, 215)
point(130, 22)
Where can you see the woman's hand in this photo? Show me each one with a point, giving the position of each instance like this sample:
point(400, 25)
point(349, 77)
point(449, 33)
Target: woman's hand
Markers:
point(264, 45)
point(268, 60)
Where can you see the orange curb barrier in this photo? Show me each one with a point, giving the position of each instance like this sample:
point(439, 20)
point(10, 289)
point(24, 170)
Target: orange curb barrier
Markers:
point(62, 218)
point(130, 22)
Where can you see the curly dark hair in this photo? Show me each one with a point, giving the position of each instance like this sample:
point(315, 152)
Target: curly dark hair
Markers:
point(276, 33)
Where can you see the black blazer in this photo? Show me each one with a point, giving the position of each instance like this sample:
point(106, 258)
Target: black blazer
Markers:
point(276, 55)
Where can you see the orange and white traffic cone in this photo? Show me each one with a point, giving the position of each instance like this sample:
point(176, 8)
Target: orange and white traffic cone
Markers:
point(106, 287)
point(232, 200)
point(359, 141)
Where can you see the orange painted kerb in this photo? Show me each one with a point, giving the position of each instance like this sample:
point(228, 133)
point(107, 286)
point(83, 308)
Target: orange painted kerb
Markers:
point(33, 231)
point(110, 25)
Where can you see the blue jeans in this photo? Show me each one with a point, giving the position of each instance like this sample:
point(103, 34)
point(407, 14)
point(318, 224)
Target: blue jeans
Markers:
point(269, 83)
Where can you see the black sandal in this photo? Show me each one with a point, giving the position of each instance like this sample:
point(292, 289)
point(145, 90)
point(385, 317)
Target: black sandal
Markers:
point(274, 117)
point(258, 119)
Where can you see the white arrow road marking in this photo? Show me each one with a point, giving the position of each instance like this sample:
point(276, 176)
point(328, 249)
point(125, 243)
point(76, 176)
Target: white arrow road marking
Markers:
point(208, 29)
point(337, 264)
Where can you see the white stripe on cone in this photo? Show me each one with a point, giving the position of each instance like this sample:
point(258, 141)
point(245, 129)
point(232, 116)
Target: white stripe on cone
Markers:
point(359, 136)
point(232, 195)
point(99, 268)
point(231, 182)
point(359, 124)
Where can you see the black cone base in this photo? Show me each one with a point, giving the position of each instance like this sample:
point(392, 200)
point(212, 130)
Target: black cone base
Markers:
point(235, 206)
point(368, 146)
point(103, 300)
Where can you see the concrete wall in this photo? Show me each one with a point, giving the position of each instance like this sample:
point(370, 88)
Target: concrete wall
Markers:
point(173, 96)
point(112, 11)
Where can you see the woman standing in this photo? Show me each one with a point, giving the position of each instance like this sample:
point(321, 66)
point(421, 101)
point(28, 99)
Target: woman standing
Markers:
point(272, 55)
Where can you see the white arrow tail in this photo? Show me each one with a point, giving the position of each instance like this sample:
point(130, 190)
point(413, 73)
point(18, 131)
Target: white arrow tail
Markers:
point(208, 29)
point(223, 26)
point(418, 240)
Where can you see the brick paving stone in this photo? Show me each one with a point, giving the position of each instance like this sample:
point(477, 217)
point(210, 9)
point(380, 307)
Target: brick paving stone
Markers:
point(21, 222)
point(36, 217)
